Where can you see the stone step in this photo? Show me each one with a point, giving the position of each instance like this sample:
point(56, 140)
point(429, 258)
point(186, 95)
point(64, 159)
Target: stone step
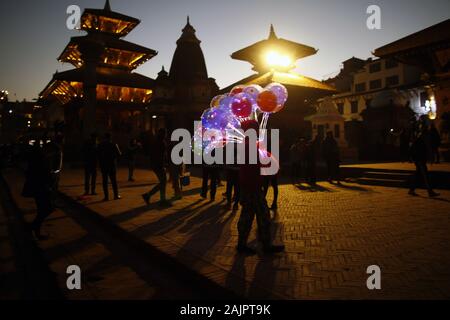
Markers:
point(386, 175)
point(395, 183)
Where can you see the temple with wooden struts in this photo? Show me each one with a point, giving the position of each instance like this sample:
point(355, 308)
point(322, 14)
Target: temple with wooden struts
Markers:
point(273, 60)
point(182, 94)
point(102, 94)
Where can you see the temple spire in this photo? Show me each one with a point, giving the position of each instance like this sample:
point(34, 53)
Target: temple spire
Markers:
point(188, 33)
point(272, 34)
point(107, 6)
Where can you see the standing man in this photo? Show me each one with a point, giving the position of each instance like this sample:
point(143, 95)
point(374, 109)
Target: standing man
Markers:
point(90, 154)
point(53, 150)
point(253, 201)
point(331, 155)
point(158, 161)
point(108, 153)
point(175, 172)
point(419, 151)
point(210, 172)
point(38, 185)
point(132, 150)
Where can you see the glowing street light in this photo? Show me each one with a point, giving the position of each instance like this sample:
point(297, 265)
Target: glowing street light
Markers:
point(275, 59)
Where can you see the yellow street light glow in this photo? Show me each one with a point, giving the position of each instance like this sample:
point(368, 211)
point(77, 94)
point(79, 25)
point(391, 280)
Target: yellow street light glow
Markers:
point(274, 58)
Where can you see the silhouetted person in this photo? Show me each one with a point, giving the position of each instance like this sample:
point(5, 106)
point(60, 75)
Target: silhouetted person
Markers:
point(53, 150)
point(313, 149)
point(108, 153)
point(271, 181)
point(175, 172)
point(435, 142)
point(404, 145)
point(330, 151)
point(303, 158)
point(90, 162)
point(253, 201)
point(158, 162)
point(38, 184)
point(232, 193)
point(418, 152)
point(210, 173)
point(294, 157)
point(132, 151)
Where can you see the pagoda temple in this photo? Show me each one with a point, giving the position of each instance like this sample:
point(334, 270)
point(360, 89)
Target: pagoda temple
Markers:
point(273, 60)
point(182, 94)
point(102, 93)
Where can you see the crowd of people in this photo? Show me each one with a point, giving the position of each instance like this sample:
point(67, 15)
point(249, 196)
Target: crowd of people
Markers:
point(246, 187)
point(305, 154)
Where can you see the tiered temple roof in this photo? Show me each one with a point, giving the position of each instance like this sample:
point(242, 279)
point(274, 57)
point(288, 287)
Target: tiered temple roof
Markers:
point(113, 59)
point(256, 54)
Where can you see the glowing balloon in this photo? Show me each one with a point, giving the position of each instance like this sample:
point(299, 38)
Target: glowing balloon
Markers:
point(215, 102)
point(225, 103)
point(237, 89)
point(254, 90)
point(215, 119)
point(280, 91)
point(267, 101)
point(242, 105)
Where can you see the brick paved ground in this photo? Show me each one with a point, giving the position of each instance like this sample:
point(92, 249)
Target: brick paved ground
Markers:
point(8, 275)
point(444, 166)
point(331, 235)
point(70, 244)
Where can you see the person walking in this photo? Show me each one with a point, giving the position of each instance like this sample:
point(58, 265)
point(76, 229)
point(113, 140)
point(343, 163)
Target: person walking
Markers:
point(435, 142)
point(312, 156)
point(210, 172)
point(90, 161)
point(132, 151)
point(175, 172)
point(38, 185)
point(253, 201)
point(330, 151)
point(271, 181)
point(418, 151)
point(158, 162)
point(108, 154)
point(53, 150)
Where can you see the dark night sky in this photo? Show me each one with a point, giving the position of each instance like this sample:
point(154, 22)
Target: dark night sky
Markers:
point(33, 33)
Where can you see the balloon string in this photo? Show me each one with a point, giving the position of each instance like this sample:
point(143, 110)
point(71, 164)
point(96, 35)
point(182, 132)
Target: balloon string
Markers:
point(235, 130)
point(263, 125)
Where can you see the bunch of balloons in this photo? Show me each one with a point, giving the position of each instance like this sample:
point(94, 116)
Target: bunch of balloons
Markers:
point(222, 120)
